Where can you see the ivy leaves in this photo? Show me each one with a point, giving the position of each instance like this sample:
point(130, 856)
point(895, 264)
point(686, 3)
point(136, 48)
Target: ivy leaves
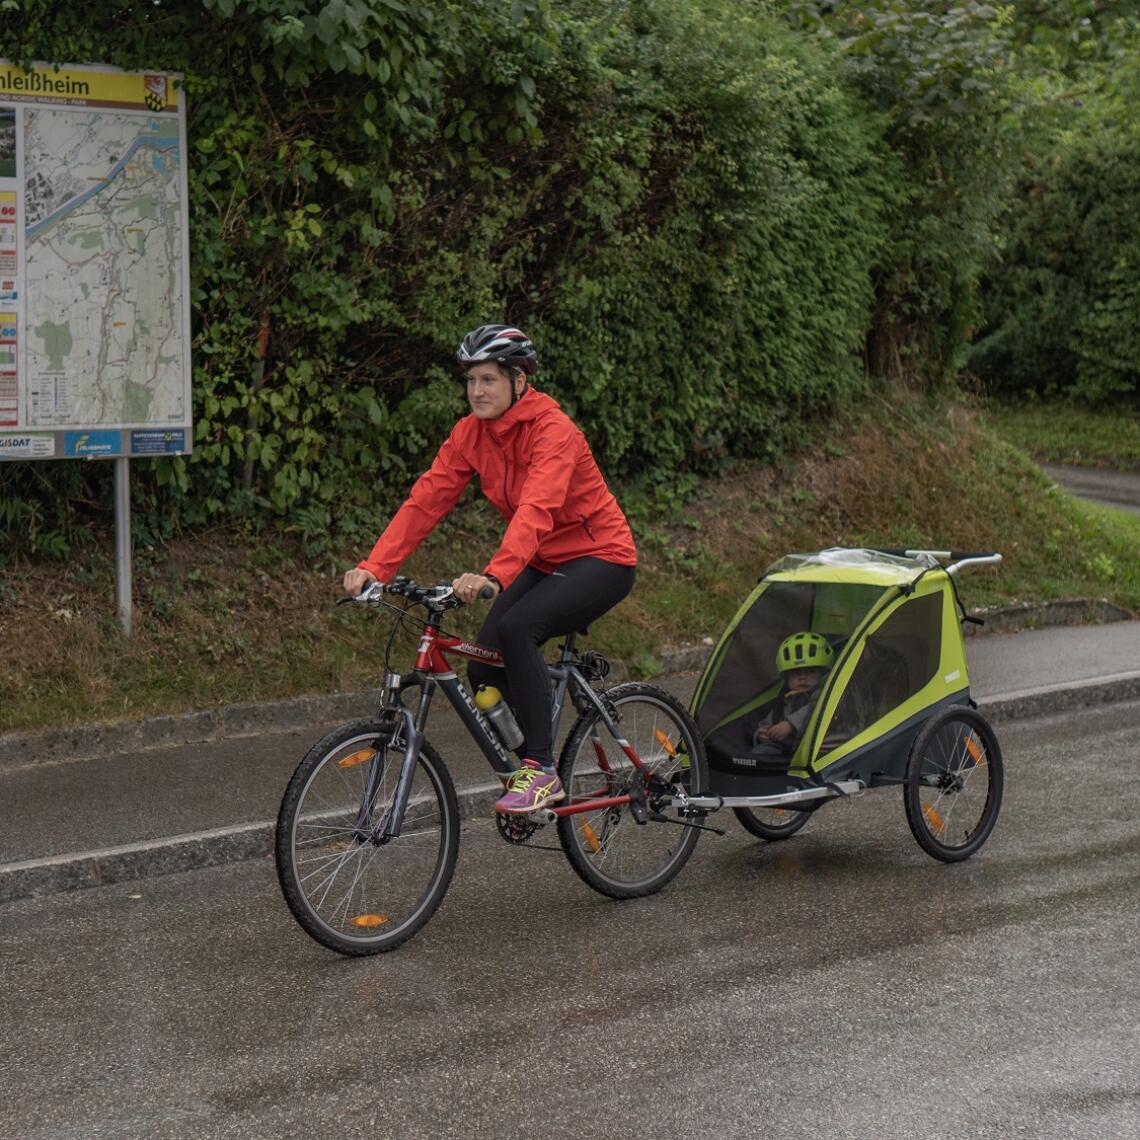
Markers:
point(931, 63)
point(696, 210)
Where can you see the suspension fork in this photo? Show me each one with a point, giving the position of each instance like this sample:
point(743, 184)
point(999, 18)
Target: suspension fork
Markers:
point(413, 741)
point(361, 829)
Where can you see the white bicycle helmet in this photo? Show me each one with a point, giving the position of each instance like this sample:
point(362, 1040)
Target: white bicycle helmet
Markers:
point(502, 344)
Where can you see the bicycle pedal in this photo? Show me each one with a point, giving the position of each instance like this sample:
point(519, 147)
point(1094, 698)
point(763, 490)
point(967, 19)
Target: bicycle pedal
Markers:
point(637, 810)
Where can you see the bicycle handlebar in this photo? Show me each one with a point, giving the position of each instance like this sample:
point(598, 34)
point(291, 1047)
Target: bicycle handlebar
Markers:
point(956, 558)
point(941, 555)
point(972, 560)
point(441, 596)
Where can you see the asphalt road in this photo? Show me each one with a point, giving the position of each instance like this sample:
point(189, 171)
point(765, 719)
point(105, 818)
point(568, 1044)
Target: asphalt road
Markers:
point(839, 985)
point(1119, 490)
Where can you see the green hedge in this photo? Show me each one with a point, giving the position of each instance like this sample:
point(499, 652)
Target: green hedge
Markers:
point(1061, 304)
point(729, 299)
point(688, 204)
point(939, 75)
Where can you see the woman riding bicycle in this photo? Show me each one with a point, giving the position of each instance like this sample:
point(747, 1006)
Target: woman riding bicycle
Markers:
point(567, 555)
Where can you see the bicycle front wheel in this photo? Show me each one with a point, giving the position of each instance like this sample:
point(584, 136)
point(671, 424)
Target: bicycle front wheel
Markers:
point(348, 886)
point(612, 850)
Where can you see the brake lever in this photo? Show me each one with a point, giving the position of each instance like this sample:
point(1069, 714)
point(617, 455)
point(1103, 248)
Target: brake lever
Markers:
point(371, 593)
point(447, 593)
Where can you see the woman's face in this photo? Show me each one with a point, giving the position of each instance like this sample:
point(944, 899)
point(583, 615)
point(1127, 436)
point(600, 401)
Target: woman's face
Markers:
point(489, 390)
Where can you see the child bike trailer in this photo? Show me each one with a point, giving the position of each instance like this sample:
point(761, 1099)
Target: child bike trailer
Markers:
point(844, 670)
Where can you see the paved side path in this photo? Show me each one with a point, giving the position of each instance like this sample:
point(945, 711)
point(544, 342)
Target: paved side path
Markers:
point(1006, 666)
point(1117, 489)
point(147, 810)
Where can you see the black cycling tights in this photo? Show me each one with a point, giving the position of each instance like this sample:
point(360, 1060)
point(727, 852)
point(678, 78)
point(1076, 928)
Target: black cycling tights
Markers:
point(535, 607)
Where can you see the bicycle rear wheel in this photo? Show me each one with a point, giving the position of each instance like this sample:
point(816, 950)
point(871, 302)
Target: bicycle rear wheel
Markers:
point(349, 888)
point(608, 847)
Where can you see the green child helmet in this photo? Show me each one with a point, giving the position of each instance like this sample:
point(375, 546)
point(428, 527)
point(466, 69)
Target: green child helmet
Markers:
point(804, 651)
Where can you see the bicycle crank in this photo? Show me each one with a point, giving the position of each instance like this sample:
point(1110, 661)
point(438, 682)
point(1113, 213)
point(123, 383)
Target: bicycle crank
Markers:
point(518, 829)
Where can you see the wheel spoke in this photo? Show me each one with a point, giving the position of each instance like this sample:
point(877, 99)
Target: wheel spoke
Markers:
point(348, 887)
point(609, 848)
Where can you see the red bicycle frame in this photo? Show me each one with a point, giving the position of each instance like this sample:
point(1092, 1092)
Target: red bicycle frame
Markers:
point(433, 664)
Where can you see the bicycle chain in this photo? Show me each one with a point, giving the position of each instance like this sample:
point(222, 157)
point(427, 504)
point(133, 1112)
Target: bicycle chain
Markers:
point(517, 830)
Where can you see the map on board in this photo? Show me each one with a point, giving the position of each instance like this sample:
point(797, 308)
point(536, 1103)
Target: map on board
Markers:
point(97, 301)
point(104, 311)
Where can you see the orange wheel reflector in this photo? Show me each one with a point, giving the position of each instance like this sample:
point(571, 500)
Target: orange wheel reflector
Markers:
point(975, 750)
point(933, 818)
point(779, 811)
point(369, 920)
point(361, 757)
point(665, 742)
point(591, 837)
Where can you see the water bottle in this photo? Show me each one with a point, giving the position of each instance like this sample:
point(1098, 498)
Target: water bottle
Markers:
point(489, 701)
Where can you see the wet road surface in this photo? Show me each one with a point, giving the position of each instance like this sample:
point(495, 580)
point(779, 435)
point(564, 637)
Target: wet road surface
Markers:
point(839, 985)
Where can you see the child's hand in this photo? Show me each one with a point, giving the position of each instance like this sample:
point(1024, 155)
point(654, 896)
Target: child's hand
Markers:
point(779, 733)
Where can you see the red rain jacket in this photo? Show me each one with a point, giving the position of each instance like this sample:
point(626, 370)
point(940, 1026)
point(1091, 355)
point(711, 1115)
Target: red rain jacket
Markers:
point(536, 467)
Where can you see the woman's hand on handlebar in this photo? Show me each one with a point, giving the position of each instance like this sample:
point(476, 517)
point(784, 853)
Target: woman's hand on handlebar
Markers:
point(469, 587)
point(357, 580)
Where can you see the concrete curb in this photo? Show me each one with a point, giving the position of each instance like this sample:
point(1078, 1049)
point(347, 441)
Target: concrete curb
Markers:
point(1033, 615)
point(37, 877)
point(232, 722)
point(134, 861)
point(1031, 703)
point(96, 741)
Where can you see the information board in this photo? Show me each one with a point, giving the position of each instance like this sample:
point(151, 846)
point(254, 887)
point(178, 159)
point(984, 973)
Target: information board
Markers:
point(94, 270)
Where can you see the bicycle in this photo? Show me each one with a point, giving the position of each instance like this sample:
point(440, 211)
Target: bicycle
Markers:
point(368, 830)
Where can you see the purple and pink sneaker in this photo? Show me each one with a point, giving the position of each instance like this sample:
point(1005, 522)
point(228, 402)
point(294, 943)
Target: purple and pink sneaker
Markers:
point(529, 789)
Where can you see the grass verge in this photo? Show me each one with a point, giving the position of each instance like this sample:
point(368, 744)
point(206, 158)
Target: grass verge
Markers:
point(224, 617)
point(1063, 432)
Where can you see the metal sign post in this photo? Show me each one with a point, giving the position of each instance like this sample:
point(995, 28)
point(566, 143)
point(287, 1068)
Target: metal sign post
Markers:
point(123, 542)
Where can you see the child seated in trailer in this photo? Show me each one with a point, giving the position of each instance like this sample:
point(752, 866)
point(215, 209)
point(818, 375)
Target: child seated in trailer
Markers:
point(803, 659)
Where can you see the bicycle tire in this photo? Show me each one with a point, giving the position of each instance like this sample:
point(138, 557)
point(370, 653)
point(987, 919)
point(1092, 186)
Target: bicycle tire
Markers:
point(757, 822)
point(954, 783)
point(352, 894)
point(608, 848)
